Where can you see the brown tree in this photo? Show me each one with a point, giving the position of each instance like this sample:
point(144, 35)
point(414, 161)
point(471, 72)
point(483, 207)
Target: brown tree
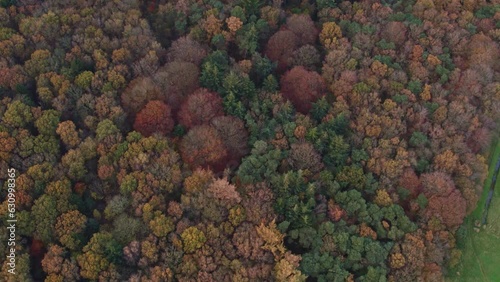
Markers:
point(185, 49)
point(280, 47)
point(394, 32)
point(177, 80)
point(450, 209)
point(304, 156)
point(67, 131)
point(409, 180)
point(235, 137)
point(59, 267)
point(203, 147)
point(302, 88)
point(437, 183)
point(154, 117)
point(138, 93)
point(303, 27)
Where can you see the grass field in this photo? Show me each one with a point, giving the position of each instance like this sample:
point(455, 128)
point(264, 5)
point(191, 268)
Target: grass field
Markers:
point(481, 250)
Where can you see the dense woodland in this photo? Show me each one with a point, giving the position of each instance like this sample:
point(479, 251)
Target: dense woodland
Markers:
point(246, 140)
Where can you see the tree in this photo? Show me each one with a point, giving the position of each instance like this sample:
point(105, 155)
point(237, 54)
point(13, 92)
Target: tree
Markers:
point(67, 131)
point(303, 27)
point(258, 195)
point(7, 146)
point(98, 255)
point(38, 63)
point(138, 93)
point(481, 50)
point(353, 176)
point(222, 190)
point(185, 49)
point(383, 198)
point(247, 242)
point(330, 35)
point(161, 225)
point(116, 205)
point(193, 238)
point(44, 213)
point(447, 161)
point(59, 266)
point(394, 32)
point(410, 181)
point(304, 156)
point(261, 164)
point(203, 147)
point(213, 70)
point(306, 56)
point(437, 183)
point(68, 227)
point(302, 88)
point(17, 114)
point(176, 80)
point(74, 164)
point(47, 123)
point(235, 136)
point(154, 117)
point(247, 39)
point(450, 209)
point(444, 200)
point(199, 108)
point(280, 47)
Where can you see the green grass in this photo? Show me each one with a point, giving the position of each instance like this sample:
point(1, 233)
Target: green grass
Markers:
point(481, 251)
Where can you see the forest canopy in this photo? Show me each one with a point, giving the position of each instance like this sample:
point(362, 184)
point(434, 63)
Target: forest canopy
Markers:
point(245, 140)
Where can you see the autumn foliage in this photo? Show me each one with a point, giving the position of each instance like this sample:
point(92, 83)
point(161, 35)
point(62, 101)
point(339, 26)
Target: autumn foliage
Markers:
point(200, 107)
point(245, 140)
point(281, 46)
point(302, 88)
point(154, 117)
point(203, 147)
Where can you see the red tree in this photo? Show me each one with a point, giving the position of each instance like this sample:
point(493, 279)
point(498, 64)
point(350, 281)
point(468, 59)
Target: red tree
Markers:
point(154, 117)
point(200, 107)
point(409, 180)
point(302, 87)
point(203, 147)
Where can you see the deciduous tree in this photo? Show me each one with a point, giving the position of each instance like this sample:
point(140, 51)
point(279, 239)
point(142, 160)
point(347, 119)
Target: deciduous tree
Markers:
point(200, 107)
point(280, 47)
point(302, 88)
point(186, 49)
point(203, 147)
point(303, 27)
point(154, 117)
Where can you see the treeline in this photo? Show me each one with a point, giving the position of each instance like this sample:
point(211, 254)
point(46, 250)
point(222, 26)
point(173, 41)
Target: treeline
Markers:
point(244, 140)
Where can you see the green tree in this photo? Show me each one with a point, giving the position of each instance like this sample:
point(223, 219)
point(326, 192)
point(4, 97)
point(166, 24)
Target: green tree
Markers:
point(17, 114)
point(47, 123)
point(261, 164)
point(44, 213)
point(213, 70)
